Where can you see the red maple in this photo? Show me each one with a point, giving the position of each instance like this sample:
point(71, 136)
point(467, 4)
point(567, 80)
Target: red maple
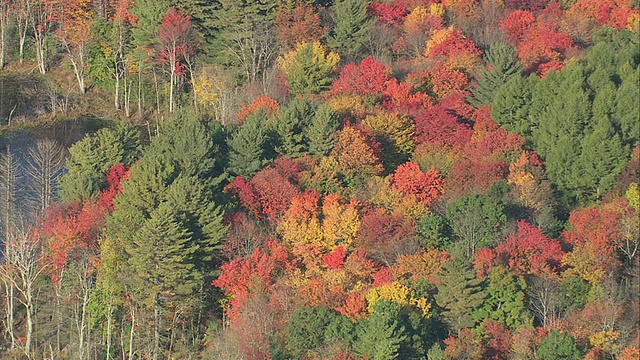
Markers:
point(369, 78)
point(387, 13)
point(409, 179)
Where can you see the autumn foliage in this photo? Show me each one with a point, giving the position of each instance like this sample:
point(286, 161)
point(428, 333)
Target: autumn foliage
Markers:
point(417, 180)
point(527, 252)
point(368, 78)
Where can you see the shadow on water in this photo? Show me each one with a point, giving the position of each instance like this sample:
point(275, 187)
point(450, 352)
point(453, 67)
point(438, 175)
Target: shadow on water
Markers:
point(24, 98)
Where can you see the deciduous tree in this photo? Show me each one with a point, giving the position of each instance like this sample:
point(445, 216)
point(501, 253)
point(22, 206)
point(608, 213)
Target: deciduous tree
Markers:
point(73, 19)
point(298, 24)
point(307, 68)
point(176, 42)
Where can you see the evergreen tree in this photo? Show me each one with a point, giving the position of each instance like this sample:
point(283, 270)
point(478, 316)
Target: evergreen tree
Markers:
point(501, 67)
point(601, 159)
point(352, 28)
point(434, 232)
point(626, 115)
point(561, 123)
point(459, 293)
point(201, 13)
point(246, 146)
point(505, 300)
point(558, 346)
point(149, 14)
point(305, 331)
point(166, 230)
point(291, 125)
point(340, 330)
point(161, 266)
point(511, 104)
point(321, 131)
point(93, 156)
point(191, 199)
point(192, 145)
point(380, 336)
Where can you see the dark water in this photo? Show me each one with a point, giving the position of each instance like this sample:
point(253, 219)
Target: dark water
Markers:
point(25, 97)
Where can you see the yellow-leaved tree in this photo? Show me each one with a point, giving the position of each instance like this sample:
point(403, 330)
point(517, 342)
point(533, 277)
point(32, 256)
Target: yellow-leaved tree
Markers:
point(204, 86)
point(341, 222)
point(395, 133)
point(399, 294)
point(308, 68)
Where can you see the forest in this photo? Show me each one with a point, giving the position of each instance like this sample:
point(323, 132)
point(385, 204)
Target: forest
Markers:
point(318, 179)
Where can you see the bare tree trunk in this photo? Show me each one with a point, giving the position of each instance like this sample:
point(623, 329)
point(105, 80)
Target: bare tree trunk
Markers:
point(86, 284)
point(78, 64)
point(127, 96)
point(132, 332)
point(140, 89)
point(119, 70)
point(10, 176)
point(9, 308)
point(21, 255)
point(116, 90)
point(22, 20)
point(156, 329)
point(58, 311)
point(544, 293)
point(172, 84)
point(39, 26)
point(109, 331)
point(45, 164)
point(8, 189)
point(4, 18)
point(190, 66)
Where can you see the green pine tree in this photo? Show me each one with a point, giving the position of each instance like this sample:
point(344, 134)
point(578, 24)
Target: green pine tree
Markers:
point(192, 145)
point(380, 336)
point(149, 14)
point(433, 232)
point(191, 199)
point(352, 28)
point(459, 293)
point(558, 346)
point(91, 158)
point(291, 124)
point(601, 159)
point(501, 67)
point(246, 146)
point(505, 302)
point(321, 131)
point(562, 120)
point(511, 104)
point(161, 267)
point(305, 331)
point(626, 115)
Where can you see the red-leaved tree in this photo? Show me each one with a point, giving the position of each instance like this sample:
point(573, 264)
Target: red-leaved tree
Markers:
point(176, 47)
point(427, 186)
point(298, 25)
point(527, 252)
point(369, 78)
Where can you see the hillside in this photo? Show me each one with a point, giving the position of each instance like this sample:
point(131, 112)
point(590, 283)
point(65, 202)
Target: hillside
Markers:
point(316, 179)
